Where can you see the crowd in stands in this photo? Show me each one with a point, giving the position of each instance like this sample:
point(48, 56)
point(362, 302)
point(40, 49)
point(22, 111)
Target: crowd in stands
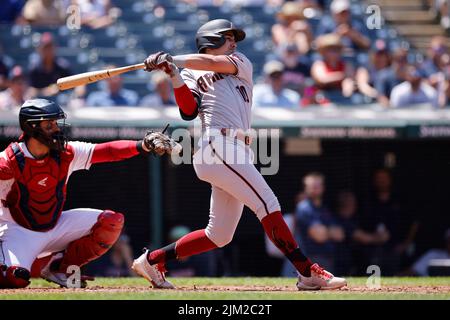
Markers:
point(334, 61)
point(93, 13)
point(347, 240)
point(388, 78)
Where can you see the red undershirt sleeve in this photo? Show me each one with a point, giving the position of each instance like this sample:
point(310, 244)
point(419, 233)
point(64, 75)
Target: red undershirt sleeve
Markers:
point(115, 151)
point(186, 102)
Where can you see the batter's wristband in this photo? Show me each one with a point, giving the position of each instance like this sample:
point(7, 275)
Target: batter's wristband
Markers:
point(177, 80)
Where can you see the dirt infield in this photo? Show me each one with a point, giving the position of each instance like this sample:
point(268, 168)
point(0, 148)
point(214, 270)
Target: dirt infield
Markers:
point(249, 288)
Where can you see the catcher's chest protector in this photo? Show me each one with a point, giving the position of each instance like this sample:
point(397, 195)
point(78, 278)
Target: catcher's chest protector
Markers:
point(38, 194)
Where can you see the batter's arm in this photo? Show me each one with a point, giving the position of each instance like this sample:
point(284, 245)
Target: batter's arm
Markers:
point(188, 100)
point(206, 62)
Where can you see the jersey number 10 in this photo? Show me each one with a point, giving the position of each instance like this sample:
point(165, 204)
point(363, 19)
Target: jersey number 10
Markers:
point(243, 93)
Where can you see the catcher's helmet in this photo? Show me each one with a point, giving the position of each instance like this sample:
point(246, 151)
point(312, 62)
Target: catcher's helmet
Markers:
point(33, 112)
point(210, 35)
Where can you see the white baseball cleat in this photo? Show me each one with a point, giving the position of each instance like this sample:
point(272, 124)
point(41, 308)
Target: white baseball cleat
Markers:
point(58, 277)
point(320, 279)
point(153, 273)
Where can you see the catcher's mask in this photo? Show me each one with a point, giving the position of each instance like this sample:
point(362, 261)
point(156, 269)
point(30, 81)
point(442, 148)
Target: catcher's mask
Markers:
point(211, 34)
point(33, 112)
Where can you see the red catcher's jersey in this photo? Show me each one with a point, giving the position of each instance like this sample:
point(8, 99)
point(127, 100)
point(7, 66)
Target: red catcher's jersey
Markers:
point(38, 194)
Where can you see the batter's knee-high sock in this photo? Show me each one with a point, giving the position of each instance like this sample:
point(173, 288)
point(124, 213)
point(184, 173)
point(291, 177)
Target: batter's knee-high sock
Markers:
point(279, 233)
point(193, 243)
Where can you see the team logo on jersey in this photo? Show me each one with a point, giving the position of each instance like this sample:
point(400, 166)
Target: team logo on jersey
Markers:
point(207, 80)
point(43, 182)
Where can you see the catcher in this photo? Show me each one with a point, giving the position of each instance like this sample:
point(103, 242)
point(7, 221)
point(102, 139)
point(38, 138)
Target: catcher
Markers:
point(216, 84)
point(33, 177)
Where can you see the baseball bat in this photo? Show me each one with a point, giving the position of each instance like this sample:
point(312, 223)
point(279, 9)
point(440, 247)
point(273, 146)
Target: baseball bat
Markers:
point(94, 76)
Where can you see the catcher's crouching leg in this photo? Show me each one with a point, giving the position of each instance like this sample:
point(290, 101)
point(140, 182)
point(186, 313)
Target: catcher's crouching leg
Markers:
point(103, 235)
point(14, 277)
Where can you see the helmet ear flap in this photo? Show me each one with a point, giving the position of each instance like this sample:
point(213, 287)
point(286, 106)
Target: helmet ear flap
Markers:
point(209, 40)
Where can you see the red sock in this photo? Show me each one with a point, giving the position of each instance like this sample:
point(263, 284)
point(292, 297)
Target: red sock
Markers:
point(193, 243)
point(279, 233)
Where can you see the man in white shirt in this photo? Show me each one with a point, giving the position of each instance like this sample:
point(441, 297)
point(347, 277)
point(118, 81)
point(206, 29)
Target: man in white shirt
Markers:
point(163, 92)
point(18, 90)
point(273, 93)
point(413, 91)
point(420, 267)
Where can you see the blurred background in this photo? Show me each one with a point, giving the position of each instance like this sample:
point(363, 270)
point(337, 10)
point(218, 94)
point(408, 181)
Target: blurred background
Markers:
point(359, 89)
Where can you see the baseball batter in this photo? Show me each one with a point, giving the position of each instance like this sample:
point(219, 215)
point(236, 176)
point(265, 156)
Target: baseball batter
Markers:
point(33, 177)
point(216, 85)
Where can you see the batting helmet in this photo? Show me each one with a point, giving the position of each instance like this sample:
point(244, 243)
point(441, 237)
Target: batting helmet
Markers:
point(211, 34)
point(33, 112)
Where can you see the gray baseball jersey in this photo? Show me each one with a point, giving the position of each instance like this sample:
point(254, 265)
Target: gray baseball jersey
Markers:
point(226, 99)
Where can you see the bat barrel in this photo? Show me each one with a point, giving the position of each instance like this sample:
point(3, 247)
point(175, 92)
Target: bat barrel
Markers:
point(94, 76)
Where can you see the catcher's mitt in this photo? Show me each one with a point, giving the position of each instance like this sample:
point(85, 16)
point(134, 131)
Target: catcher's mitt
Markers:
point(159, 143)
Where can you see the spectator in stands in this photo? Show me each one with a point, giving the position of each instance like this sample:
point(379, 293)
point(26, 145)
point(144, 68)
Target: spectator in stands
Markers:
point(413, 91)
point(48, 68)
point(332, 75)
point(113, 95)
point(11, 11)
point(355, 237)
point(234, 3)
point(3, 75)
point(44, 12)
point(421, 266)
point(316, 228)
point(97, 13)
point(399, 63)
point(292, 28)
point(436, 68)
point(18, 90)
point(442, 11)
point(297, 69)
point(77, 98)
point(387, 212)
point(432, 65)
point(163, 92)
point(369, 78)
point(388, 78)
point(273, 93)
point(351, 32)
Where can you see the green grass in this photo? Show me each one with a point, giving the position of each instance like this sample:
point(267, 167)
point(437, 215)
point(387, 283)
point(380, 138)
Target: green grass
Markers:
point(195, 288)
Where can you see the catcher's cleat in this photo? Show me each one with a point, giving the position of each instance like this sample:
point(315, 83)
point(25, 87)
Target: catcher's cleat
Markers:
point(52, 274)
point(153, 273)
point(320, 279)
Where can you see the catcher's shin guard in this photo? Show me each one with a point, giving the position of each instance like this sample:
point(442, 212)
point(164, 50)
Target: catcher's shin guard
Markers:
point(14, 277)
point(103, 235)
point(37, 266)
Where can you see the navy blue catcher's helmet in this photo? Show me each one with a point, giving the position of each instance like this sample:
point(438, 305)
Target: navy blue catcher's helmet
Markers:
point(33, 112)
